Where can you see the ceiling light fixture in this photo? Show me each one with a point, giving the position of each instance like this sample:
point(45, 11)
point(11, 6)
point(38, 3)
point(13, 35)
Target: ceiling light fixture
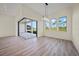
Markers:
point(46, 12)
point(45, 17)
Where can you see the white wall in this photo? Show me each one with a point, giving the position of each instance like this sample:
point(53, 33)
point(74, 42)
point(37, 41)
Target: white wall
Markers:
point(40, 28)
point(75, 26)
point(7, 26)
point(29, 13)
point(59, 34)
point(10, 14)
point(7, 20)
point(25, 11)
point(22, 28)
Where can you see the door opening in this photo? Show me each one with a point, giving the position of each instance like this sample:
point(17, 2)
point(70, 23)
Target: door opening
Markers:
point(27, 28)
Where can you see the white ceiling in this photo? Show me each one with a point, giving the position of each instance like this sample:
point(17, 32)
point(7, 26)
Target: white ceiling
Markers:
point(12, 9)
point(8, 9)
point(52, 7)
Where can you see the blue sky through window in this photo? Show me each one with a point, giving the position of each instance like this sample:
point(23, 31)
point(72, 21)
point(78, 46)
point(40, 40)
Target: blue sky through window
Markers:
point(34, 24)
point(53, 22)
point(47, 24)
point(62, 21)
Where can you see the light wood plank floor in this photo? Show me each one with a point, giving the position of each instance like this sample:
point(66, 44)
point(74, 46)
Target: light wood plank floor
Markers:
point(42, 46)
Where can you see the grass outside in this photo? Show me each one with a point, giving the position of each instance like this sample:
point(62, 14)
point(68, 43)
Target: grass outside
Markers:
point(54, 29)
point(47, 29)
point(63, 29)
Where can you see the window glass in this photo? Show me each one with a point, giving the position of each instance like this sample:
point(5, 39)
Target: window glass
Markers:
point(53, 24)
point(63, 23)
point(47, 25)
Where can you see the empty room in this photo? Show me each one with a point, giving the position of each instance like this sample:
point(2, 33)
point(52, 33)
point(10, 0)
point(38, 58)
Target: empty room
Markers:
point(39, 29)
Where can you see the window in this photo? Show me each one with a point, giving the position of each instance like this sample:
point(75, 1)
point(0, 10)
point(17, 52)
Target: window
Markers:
point(62, 23)
point(54, 24)
point(47, 25)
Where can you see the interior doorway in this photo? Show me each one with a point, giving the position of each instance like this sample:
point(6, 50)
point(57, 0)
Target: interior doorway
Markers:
point(27, 28)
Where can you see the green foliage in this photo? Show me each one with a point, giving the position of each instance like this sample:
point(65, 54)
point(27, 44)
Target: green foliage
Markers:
point(54, 29)
point(63, 29)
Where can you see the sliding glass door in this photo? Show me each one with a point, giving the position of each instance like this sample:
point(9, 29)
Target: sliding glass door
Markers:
point(34, 29)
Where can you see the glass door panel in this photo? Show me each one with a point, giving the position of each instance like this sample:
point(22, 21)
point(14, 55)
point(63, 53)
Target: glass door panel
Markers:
point(34, 29)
